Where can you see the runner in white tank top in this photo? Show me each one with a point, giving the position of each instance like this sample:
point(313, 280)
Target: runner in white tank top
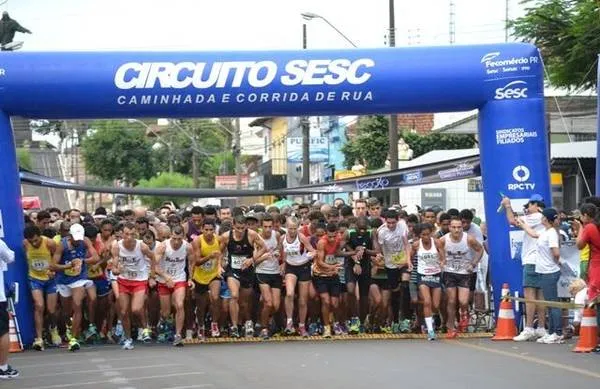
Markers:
point(430, 261)
point(463, 254)
point(174, 254)
point(268, 274)
point(132, 261)
point(297, 253)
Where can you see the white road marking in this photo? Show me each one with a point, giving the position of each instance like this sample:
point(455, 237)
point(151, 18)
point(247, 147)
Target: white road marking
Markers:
point(189, 386)
point(119, 380)
point(87, 361)
point(97, 360)
point(100, 369)
point(111, 373)
point(113, 380)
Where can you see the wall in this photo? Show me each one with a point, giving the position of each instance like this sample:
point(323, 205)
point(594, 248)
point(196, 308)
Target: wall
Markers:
point(457, 196)
point(278, 153)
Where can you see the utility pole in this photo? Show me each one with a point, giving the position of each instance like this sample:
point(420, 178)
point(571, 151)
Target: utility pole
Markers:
point(305, 130)
point(393, 128)
point(237, 153)
point(452, 24)
point(506, 21)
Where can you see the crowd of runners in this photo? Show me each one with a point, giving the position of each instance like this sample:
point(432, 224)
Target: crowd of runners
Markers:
point(172, 275)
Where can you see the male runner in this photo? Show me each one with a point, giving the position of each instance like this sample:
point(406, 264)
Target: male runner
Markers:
point(132, 261)
point(174, 255)
point(242, 246)
point(391, 240)
point(463, 254)
point(268, 274)
point(326, 279)
point(206, 273)
point(70, 261)
point(193, 228)
point(39, 251)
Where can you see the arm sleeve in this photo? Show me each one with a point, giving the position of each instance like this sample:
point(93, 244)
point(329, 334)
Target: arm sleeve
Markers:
point(6, 254)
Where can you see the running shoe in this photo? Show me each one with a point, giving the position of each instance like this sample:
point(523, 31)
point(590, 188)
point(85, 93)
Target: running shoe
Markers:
point(337, 329)
point(386, 329)
point(554, 339)
point(264, 334)
point(451, 334)
point(313, 329)
point(55, 337)
point(38, 344)
point(543, 339)
point(289, 329)
point(214, 330)
point(431, 335)
point(327, 331)
point(74, 345)
point(463, 325)
point(119, 329)
point(354, 326)
point(396, 328)
point(405, 326)
point(234, 332)
point(8, 373)
point(201, 334)
point(146, 335)
point(526, 335)
point(249, 329)
point(128, 344)
point(302, 330)
point(540, 332)
point(91, 333)
point(189, 335)
point(178, 341)
point(140, 336)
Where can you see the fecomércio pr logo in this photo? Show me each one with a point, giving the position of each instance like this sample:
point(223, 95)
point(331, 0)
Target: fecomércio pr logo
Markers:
point(497, 63)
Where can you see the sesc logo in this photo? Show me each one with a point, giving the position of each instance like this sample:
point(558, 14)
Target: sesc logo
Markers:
point(512, 90)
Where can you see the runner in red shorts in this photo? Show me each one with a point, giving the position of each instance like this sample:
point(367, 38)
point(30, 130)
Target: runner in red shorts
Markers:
point(173, 256)
point(132, 262)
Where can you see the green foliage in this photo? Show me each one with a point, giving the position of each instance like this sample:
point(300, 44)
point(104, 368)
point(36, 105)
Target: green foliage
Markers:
point(370, 145)
point(165, 180)
point(24, 159)
point(568, 35)
point(218, 164)
point(422, 144)
point(115, 150)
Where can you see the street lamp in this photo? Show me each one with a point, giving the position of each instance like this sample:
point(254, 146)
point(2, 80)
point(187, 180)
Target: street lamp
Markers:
point(310, 16)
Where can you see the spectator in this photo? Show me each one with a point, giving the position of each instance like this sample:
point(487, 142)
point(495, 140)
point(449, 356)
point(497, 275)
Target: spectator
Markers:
point(7, 256)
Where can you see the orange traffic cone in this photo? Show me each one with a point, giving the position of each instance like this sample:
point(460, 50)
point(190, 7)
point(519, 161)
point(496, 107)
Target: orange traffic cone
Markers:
point(15, 344)
point(506, 328)
point(588, 333)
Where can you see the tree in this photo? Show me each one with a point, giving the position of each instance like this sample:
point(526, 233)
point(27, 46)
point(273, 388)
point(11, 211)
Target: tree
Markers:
point(165, 180)
point(24, 158)
point(568, 35)
point(422, 144)
point(111, 151)
point(371, 143)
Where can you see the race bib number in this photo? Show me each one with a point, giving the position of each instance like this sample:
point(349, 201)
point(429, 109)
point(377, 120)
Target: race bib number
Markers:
point(39, 264)
point(208, 265)
point(399, 258)
point(342, 271)
point(237, 261)
point(73, 272)
point(131, 274)
point(172, 271)
point(330, 259)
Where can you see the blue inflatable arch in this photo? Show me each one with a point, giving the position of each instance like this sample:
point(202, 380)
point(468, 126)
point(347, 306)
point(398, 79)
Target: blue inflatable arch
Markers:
point(505, 82)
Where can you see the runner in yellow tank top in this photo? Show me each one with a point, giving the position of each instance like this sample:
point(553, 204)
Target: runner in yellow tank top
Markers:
point(206, 274)
point(39, 251)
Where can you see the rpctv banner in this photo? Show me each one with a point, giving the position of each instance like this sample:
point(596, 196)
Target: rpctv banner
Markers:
point(287, 83)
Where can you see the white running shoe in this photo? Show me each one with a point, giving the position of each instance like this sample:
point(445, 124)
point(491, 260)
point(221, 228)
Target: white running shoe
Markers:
point(249, 329)
point(543, 339)
point(540, 332)
point(527, 335)
point(128, 344)
point(554, 339)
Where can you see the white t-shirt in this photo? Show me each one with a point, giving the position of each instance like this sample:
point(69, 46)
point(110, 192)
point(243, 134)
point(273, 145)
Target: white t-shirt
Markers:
point(545, 263)
point(6, 256)
point(529, 252)
point(475, 231)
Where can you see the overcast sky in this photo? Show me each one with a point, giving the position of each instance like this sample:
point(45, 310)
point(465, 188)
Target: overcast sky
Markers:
point(258, 24)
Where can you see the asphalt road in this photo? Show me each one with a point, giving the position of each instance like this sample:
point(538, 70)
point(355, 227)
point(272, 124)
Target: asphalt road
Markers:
point(46, 162)
point(413, 364)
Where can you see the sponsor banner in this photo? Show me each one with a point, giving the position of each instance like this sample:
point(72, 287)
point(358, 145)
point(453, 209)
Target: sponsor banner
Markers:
point(318, 147)
point(433, 198)
point(502, 64)
point(230, 182)
point(511, 136)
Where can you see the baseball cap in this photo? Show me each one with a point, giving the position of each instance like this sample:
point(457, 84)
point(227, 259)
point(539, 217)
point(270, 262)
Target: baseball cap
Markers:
point(77, 231)
point(550, 214)
point(536, 198)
